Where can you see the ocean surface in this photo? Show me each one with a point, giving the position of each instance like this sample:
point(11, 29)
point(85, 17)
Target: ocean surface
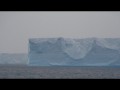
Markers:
point(58, 72)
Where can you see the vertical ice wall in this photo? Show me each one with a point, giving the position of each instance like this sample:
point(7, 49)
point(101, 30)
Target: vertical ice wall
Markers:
point(74, 52)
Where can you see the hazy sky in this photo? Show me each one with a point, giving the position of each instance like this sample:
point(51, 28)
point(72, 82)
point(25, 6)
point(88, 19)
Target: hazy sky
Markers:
point(17, 27)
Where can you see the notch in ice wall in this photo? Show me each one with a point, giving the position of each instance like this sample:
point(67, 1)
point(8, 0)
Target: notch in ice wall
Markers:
point(74, 52)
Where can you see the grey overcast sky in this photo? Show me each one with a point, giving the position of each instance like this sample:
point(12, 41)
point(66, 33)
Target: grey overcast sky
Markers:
point(17, 27)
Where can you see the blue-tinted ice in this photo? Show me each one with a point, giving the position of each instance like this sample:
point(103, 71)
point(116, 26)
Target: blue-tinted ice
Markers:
point(74, 52)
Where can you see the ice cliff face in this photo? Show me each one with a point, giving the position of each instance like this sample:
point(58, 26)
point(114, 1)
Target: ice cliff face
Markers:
point(74, 52)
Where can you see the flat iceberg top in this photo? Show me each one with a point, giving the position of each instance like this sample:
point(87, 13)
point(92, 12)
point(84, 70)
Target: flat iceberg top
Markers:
point(76, 48)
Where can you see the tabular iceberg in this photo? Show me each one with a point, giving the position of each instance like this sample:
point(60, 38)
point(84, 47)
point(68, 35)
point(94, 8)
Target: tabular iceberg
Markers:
point(74, 52)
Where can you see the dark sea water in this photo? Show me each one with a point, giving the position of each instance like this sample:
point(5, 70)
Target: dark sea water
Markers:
point(54, 72)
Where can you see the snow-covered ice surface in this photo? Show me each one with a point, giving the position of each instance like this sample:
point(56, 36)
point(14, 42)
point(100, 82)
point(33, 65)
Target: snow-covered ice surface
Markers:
point(74, 51)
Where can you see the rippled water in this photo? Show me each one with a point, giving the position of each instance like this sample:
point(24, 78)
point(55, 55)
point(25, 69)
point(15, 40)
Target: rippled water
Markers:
point(59, 72)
